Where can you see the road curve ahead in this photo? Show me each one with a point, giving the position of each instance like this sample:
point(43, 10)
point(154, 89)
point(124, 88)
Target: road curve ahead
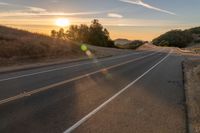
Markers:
point(141, 92)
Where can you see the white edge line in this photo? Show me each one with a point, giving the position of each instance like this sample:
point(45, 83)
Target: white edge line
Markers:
point(25, 94)
point(62, 68)
point(77, 124)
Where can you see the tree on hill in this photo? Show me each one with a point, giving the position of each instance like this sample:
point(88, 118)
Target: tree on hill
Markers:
point(95, 34)
point(54, 33)
point(174, 38)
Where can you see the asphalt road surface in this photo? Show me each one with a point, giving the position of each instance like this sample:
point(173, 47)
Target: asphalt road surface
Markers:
point(140, 92)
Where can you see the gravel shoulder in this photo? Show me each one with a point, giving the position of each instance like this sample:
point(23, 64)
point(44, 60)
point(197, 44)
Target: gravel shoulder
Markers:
point(192, 90)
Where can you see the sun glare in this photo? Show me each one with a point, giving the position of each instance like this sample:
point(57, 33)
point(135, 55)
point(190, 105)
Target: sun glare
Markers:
point(62, 22)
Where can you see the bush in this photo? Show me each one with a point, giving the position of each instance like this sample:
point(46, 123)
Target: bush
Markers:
point(132, 45)
point(197, 41)
point(195, 30)
point(174, 38)
point(135, 44)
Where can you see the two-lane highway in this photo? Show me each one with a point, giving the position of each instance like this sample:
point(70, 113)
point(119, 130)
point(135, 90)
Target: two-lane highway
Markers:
point(21, 82)
point(138, 92)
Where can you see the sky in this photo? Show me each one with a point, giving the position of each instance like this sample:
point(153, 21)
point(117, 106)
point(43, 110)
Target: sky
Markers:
point(131, 19)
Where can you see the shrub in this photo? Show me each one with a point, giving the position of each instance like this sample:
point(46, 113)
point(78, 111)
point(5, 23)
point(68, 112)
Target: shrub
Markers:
point(195, 30)
point(174, 38)
point(132, 45)
point(197, 41)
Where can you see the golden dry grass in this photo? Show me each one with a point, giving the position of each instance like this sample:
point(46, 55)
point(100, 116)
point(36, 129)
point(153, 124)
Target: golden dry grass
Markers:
point(16, 45)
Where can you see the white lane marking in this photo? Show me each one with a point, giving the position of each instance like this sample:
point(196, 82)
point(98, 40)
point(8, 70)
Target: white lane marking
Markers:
point(25, 94)
point(62, 68)
point(77, 124)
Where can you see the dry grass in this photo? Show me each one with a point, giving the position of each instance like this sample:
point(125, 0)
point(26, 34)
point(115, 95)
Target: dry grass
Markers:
point(18, 45)
point(19, 48)
point(194, 47)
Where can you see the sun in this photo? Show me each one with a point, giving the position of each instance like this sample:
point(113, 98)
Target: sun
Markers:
point(62, 22)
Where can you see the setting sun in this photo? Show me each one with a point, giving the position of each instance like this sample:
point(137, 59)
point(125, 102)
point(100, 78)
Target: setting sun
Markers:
point(62, 22)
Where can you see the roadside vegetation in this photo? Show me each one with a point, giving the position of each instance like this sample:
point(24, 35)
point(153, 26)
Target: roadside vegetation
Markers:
point(131, 45)
point(21, 45)
point(16, 45)
point(95, 34)
point(178, 38)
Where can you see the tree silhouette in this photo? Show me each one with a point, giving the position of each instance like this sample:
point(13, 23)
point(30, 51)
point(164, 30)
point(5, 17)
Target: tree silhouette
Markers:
point(61, 34)
point(95, 34)
point(54, 33)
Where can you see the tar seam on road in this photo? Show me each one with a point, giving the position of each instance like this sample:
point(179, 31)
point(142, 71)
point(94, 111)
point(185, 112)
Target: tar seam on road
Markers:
point(26, 94)
point(77, 124)
point(62, 68)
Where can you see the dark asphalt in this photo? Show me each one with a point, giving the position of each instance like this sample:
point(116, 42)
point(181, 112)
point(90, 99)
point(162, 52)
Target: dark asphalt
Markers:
point(153, 104)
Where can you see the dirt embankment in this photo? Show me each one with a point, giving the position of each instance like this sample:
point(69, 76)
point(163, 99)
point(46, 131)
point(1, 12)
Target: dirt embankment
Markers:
point(192, 88)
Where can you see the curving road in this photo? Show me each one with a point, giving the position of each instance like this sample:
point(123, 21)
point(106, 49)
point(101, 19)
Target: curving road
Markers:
point(140, 92)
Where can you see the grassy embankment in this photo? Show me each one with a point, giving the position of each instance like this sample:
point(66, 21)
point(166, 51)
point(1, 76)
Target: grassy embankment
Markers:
point(19, 47)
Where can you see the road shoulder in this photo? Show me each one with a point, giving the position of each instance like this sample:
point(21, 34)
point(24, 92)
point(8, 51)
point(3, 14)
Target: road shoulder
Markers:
point(192, 90)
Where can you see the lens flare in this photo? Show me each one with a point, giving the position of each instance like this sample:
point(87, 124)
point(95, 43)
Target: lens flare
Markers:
point(84, 48)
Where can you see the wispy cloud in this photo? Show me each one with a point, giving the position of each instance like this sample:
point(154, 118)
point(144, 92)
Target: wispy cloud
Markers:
point(18, 14)
point(115, 15)
point(4, 4)
point(25, 8)
point(141, 3)
point(37, 11)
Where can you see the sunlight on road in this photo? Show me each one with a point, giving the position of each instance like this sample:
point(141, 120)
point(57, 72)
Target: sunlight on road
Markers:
point(85, 49)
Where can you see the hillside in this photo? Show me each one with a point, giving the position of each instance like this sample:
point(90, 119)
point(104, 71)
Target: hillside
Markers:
point(18, 44)
point(179, 38)
point(23, 47)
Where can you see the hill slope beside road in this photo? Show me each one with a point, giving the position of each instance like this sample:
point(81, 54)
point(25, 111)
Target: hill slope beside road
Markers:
point(22, 49)
point(21, 46)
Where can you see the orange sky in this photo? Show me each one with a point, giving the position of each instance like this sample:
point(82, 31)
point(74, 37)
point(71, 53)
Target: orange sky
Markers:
point(131, 19)
point(120, 29)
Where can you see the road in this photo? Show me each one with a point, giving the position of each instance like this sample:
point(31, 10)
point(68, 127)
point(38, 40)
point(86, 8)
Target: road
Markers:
point(140, 92)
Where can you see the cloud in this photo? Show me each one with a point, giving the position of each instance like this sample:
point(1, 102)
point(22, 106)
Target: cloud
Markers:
point(4, 4)
point(37, 11)
point(141, 3)
point(44, 13)
point(25, 8)
point(115, 15)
